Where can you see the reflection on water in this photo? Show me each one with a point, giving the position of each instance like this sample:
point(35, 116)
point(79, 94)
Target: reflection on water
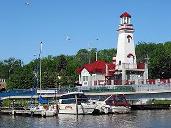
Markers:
point(137, 119)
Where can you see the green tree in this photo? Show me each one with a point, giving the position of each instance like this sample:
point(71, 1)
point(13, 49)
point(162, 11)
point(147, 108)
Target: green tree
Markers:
point(106, 54)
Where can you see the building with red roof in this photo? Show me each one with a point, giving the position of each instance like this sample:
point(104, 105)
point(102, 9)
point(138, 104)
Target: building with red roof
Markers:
point(95, 73)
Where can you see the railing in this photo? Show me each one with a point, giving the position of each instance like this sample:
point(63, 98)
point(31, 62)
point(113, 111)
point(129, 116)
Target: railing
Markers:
point(126, 66)
point(57, 90)
point(107, 88)
point(131, 82)
point(152, 87)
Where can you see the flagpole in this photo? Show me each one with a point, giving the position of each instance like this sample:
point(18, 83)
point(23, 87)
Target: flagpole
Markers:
point(40, 68)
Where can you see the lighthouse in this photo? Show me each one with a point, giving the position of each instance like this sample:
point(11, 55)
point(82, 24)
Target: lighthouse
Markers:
point(125, 57)
point(124, 70)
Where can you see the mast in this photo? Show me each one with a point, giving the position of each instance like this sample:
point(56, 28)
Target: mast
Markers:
point(40, 68)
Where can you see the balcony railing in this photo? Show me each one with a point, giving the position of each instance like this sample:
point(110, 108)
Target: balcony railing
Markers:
point(126, 66)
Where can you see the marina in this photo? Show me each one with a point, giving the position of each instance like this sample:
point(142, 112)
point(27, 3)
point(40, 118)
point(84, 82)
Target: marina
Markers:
point(136, 119)
point(77, 103)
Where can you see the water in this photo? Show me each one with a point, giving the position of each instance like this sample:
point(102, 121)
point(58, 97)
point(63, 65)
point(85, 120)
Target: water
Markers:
point(137, 119)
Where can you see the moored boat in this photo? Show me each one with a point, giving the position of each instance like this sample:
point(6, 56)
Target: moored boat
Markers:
point(75, 103)
point(114, 104)
point(44, 111)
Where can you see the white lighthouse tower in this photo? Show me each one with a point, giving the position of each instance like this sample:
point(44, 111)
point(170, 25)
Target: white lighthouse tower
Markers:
point(126, 65)
point(125, 57)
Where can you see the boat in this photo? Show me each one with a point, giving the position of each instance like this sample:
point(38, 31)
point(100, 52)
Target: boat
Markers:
point(114, 104)
point(75, 103)
point(43, 108)
point(44, 111)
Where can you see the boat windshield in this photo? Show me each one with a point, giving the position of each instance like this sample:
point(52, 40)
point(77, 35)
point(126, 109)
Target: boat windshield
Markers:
point(70, 98)
point(120, 98)
point(116, 100)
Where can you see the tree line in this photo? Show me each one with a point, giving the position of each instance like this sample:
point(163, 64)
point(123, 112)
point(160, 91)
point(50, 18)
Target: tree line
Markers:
point(60, 70)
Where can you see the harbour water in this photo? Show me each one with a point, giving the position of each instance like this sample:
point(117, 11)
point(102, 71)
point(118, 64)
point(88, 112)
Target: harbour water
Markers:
point(136, 119)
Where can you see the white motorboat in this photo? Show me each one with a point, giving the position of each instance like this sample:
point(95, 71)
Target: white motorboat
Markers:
point(114, 104)
point(75, 103)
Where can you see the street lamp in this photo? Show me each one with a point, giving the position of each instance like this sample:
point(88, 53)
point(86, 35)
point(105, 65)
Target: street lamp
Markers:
point(89, 51)
point(59, 78)
point(97, 39)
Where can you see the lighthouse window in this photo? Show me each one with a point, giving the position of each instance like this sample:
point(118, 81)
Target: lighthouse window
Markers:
point(129, 38)
point(124, 20)
point(119, 62)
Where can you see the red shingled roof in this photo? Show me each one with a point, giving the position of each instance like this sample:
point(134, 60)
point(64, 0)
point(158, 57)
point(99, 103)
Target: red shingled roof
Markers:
point(96, 67)
point(125, 14)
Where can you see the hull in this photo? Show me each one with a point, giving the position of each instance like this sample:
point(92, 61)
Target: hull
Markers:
point(41, 111)
point(106, 109)
point(72, 109)
point(120, 109)
point(49, 113)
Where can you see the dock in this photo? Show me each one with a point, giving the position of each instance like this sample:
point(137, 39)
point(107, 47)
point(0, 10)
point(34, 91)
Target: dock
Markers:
point(24, 113)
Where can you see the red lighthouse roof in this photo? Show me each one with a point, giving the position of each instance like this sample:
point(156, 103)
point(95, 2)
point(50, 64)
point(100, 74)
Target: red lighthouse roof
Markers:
point(125, 14)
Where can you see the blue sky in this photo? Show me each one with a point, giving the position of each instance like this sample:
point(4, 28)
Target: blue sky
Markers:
point(23, 27)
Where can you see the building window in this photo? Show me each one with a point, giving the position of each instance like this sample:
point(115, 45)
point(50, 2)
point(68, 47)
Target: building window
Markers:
point(85, 78)
point(119, 62)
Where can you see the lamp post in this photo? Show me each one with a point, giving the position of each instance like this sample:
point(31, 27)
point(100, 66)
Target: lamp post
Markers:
point(89, 51)
point(89, 54)
point(59, 78)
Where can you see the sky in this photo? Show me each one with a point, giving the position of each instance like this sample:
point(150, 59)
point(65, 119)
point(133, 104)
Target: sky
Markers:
point(26, 23)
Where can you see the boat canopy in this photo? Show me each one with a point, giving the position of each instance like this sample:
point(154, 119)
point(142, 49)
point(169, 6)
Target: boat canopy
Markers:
point(42, 100)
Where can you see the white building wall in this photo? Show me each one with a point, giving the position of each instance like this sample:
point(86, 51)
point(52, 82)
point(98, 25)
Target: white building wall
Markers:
point(100, 77)
point(87, 75)
point(91, 78)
